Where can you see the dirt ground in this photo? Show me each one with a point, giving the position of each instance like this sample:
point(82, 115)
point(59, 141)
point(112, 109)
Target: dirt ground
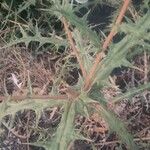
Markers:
point(18, 64)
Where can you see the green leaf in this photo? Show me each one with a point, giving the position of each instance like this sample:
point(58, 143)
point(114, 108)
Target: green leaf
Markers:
point(11, 107)
point(82, 26)
point(80, 23)
point(115, 124)
point(38, 38)
point(131, 92)
point(65, 131)
point(117, 56)
point(95, 94)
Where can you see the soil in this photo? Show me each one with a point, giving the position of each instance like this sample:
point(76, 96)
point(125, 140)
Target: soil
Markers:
point(135, 112)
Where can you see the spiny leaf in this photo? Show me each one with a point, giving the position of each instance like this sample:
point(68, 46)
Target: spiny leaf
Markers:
point(139, 28)
point(96, 95)
point(38, 38)
point(86, 47)
point(118, 53)
point(117, 126)
point(114, 123)
point(80, 23)
point(113, 59)
point(131, 92)
point(126, 63)
point(10, 108)
point(65, 131)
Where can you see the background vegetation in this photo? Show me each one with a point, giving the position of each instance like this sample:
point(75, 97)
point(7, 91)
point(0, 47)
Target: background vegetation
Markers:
point(69, 81)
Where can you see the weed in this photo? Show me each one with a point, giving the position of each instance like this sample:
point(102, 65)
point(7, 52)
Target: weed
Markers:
point(67, 42)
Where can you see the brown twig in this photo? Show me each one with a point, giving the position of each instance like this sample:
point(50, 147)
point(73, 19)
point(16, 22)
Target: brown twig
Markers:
point(99, 56)
point(145, 68)
point(13, 131)
point(75, 50)
point(117, 141)
point(42, 97)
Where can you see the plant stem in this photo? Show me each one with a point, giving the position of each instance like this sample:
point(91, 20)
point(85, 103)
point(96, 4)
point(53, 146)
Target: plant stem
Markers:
point(43, 97)
point(72, 44)
point(100, 55)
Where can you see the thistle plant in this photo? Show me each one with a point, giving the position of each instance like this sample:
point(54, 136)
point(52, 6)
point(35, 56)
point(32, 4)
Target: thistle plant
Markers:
point(97, 56)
